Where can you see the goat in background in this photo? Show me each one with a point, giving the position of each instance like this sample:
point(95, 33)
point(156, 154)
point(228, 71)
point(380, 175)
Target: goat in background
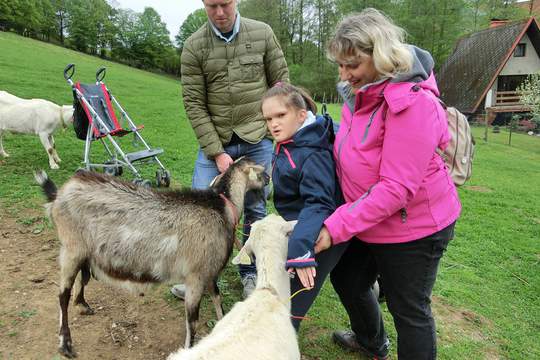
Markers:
point(33, 116)
point(128, 234)
point(260, 327)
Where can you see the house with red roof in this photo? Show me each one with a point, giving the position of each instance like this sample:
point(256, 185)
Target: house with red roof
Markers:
point(484, 71)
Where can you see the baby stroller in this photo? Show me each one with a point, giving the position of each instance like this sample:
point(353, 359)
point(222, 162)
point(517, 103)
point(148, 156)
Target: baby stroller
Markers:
point(95, 119)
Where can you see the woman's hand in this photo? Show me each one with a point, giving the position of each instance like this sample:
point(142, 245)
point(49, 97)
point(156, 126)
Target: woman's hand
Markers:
point(306, 275)
point(324, 241)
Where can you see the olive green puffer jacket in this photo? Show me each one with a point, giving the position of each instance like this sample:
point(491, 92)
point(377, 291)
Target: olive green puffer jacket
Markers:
point(223, 83)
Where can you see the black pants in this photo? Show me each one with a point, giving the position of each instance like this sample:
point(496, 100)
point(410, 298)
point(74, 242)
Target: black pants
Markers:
point(408, 271)
point(300, 304)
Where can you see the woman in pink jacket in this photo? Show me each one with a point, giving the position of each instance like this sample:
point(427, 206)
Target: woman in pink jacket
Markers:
point(401, 204)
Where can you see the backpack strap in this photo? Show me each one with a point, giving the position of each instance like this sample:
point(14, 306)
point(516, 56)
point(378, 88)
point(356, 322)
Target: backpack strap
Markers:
point(324, 109)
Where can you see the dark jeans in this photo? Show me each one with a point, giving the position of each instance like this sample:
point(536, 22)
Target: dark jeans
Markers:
point(300, 304)
point(408, 271)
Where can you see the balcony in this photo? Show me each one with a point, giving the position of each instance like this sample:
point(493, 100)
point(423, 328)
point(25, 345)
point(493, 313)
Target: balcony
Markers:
point(508, 101)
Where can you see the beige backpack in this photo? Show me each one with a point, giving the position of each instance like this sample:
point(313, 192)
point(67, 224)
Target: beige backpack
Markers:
point(459, 154)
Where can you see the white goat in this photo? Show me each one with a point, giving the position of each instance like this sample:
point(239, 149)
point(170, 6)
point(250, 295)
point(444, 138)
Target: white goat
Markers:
point(260, 327)
point(7, 98)
point(33, 116)
point(128, 234)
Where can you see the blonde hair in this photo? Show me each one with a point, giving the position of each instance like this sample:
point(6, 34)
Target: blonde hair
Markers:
point(294, 97)
point(371, 33)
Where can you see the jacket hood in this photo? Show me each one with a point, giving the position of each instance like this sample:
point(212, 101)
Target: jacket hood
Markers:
point(319, 134)
point(421, 68)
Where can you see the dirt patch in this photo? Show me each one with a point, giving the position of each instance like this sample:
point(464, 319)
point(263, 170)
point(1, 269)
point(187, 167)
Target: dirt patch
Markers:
point(124, 326)
point(454, 324)
point(477, 188)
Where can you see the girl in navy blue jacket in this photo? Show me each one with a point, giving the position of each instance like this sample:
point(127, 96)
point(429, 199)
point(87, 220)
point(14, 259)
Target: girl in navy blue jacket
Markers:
point(305, 186)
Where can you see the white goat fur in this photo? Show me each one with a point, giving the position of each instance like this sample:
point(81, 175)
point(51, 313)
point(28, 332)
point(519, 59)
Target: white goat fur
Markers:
point(260, 327)
point(33, 116)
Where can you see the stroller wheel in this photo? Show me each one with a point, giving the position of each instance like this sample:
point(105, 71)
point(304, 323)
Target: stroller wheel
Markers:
point(143, 183)
point(163, 178)
point(113, 170)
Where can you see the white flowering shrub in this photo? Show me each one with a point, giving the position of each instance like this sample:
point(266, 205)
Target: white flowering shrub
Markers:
point(529, 92)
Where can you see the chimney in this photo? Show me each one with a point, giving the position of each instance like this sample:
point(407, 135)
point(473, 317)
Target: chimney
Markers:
point(497, 22)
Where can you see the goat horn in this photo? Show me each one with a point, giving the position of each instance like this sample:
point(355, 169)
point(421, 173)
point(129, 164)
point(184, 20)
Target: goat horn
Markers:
point(238, 160)
point(215, 180)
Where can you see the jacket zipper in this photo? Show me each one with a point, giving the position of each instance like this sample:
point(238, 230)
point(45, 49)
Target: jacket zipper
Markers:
point(365, 195)
point(348, 130)
point(403, 212)
point(369, 122)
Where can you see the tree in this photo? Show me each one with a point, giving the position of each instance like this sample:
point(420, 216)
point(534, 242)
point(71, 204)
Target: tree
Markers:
point(125, 22)
point(89, 24)
point(529, 92)
point(151, 39)
point(192, 23)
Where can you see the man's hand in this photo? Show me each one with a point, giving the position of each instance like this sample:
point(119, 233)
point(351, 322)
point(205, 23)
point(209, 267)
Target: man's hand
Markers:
point(324, 241)
point(223, 161)
point(306, 275)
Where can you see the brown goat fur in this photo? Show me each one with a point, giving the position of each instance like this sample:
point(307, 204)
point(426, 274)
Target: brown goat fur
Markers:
point(131, 236)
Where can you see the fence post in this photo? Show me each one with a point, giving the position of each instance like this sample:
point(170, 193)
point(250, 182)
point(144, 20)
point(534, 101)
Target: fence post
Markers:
point(486, 119)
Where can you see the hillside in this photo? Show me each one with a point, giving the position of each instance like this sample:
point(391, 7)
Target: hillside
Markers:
point(33, 69)
point(485, 300)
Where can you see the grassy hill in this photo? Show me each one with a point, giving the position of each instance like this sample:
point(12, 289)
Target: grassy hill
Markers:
point(32, 69)
point(486, 300)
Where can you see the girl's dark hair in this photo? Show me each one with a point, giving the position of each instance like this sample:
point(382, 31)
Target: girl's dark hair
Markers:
point(294, 96)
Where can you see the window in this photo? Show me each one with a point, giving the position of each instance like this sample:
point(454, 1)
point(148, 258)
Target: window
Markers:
point(520, 50)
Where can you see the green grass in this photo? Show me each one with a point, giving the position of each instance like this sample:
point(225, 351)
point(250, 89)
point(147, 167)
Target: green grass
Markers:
point(488, 287)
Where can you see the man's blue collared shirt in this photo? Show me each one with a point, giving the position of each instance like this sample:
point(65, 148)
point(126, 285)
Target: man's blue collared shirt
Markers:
point(236, 29)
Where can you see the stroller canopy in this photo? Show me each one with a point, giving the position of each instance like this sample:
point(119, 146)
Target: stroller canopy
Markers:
point(100, 102)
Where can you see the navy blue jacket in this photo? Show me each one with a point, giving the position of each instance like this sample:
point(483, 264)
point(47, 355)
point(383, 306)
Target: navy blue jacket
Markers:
point(305, 186)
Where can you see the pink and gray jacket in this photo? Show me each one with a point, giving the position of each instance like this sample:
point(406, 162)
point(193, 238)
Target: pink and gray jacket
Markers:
point(396, 187)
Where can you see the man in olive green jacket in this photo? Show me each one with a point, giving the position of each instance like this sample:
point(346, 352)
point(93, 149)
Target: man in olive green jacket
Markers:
point(227, 66)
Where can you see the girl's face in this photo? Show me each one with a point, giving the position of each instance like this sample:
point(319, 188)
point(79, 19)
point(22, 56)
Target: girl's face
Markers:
point(359, 72)
point(282, 121)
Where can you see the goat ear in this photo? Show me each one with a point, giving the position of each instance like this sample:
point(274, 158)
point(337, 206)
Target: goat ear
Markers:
point(252, 174)
point(243, 257)
point(289, 227)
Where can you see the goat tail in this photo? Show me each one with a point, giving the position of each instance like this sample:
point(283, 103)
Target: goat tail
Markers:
point(48, 187)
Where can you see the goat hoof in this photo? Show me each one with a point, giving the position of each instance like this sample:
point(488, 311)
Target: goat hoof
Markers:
point(67, 351)
point(86, 311)
point(55, 167)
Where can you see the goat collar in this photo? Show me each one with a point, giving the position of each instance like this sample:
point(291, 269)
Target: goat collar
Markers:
point(233, 208)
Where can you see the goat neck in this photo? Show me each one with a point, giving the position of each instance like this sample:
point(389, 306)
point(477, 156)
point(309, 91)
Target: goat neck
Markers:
point(271, 274)
point(236, 189)
point(232, 208)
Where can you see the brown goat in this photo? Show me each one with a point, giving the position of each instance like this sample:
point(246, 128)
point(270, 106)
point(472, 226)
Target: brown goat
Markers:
point(128, 234)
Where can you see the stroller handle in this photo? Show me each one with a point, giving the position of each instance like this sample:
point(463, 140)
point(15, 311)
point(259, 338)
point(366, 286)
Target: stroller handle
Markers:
point(67, 74)
point(100, 74)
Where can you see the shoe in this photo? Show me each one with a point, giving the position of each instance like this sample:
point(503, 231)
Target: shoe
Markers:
point(179, 290)
point(249, 282)
point(347, 340)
